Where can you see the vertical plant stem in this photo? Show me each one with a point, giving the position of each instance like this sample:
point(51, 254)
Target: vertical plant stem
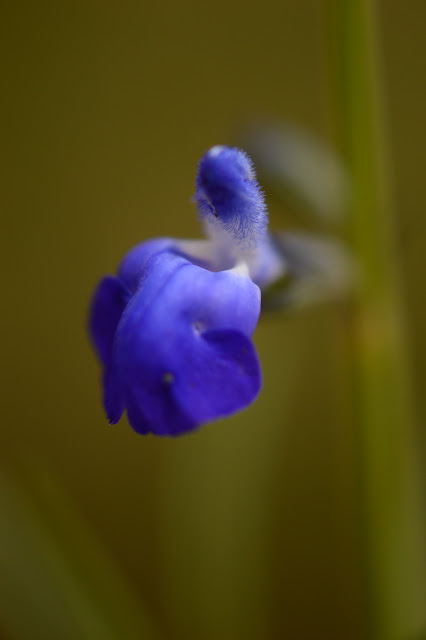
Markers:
point(391, 516)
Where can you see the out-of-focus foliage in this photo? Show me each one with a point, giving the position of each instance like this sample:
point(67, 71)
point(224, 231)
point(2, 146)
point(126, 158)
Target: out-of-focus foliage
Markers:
point(58, 580)
point(298, 167)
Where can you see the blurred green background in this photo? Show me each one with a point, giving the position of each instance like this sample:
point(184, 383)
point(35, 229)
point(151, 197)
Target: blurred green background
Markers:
point(251, 527)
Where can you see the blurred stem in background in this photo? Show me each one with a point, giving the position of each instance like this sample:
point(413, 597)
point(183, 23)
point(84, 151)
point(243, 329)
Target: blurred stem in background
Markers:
point(381, 406)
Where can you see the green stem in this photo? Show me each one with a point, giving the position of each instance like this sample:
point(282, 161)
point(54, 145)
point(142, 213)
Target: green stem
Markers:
point(395, 578)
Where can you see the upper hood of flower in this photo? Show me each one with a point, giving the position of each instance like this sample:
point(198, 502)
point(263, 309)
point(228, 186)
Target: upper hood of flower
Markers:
point(228, 196)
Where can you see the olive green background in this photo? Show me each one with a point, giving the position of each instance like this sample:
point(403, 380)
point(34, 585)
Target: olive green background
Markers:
point(248, 528)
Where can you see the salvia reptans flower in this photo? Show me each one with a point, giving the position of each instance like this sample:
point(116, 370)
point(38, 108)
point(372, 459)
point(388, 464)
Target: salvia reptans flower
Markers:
point(173, 328)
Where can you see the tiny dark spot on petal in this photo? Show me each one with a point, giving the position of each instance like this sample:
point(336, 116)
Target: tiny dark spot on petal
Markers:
point(168, 378)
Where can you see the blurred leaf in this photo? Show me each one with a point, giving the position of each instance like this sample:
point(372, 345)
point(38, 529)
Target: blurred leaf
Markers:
point(296, 166)
point(57, 580)
point(317, 269)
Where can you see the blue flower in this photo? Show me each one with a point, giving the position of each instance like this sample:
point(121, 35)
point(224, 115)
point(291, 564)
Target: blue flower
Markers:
point(173, 329)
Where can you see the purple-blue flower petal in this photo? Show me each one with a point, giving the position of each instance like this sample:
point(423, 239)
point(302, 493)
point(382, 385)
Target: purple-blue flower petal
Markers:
point(133, 264)
point(108, 303)
point(226, 364)
point(182, 351)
